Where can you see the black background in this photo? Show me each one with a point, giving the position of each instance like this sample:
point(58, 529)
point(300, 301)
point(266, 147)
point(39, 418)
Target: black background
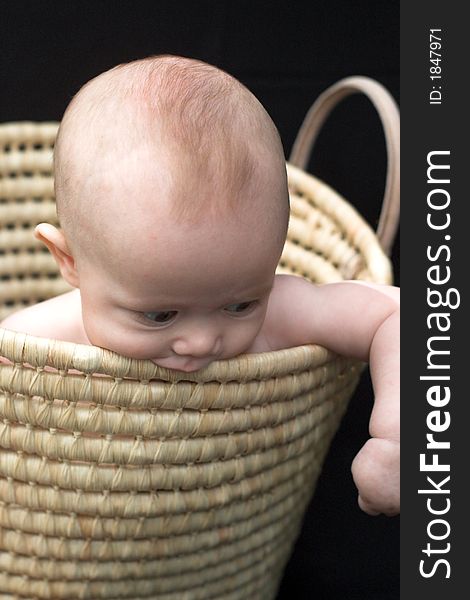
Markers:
point(286, 53)
point(427, 128)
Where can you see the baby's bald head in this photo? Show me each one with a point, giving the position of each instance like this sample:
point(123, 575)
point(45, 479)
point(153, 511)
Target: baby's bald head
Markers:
point(163, 138)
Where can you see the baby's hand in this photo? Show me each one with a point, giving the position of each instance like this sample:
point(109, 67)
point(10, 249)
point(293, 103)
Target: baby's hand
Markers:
point(376, 473)
point(376, 468)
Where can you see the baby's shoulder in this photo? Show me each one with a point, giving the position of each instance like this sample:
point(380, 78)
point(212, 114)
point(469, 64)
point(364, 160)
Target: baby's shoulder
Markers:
point(289, 288)
point(281, 314)
point(333, 315)
point(58, 318)
point(288, 283)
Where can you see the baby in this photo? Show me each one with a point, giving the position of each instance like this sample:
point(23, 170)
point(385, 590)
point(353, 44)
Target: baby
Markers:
point(172, 196)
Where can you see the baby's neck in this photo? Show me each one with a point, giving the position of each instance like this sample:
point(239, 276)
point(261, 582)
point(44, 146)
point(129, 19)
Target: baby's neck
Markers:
point(80, 333)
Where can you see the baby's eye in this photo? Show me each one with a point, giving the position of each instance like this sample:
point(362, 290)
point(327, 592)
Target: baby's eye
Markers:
point(161, 317)
point(240, 307)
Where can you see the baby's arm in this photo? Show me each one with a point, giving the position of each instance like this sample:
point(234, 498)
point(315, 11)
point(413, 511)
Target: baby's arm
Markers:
point(358, 320)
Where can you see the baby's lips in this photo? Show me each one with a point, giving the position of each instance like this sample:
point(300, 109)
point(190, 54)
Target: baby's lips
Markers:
point(187, 366)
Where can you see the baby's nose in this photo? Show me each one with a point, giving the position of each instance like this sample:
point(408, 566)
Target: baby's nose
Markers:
point(197, 344)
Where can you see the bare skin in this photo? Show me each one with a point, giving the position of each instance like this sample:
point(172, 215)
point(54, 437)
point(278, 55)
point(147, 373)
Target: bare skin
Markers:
point(182, 316)
point(187, 287)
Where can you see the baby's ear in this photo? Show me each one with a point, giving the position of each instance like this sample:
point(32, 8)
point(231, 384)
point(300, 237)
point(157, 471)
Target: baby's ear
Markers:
point(55, 241)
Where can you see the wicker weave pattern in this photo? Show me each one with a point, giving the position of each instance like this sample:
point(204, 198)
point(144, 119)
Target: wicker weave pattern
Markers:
point(121, 479)
point(28, 273)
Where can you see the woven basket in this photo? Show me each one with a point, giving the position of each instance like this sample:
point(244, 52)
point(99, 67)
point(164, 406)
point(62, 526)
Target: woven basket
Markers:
point(149, 483)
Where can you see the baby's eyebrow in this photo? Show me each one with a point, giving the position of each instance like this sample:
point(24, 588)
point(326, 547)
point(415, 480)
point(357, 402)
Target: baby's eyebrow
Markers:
point(142, 309)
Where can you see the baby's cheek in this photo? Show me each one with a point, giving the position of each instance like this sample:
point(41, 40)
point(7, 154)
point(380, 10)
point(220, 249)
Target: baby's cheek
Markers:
point(241, 338)
point(117, 338)
point(133, 347)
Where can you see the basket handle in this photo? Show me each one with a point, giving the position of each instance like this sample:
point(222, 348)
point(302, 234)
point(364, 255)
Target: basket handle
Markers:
point(390, 118)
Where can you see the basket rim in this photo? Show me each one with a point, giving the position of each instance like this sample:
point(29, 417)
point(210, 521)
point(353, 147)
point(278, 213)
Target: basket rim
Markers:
point(20, 348)
point(357, 230)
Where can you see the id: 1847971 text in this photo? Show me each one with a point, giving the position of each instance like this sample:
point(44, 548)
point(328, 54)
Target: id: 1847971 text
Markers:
point(435, 69)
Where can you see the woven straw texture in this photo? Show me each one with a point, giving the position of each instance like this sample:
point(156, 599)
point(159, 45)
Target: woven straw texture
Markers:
point(121, 479)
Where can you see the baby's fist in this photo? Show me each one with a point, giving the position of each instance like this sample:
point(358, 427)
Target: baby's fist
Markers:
point(376, 473)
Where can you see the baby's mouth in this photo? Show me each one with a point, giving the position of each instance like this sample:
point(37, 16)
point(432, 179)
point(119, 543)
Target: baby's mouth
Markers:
point(185, 365)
